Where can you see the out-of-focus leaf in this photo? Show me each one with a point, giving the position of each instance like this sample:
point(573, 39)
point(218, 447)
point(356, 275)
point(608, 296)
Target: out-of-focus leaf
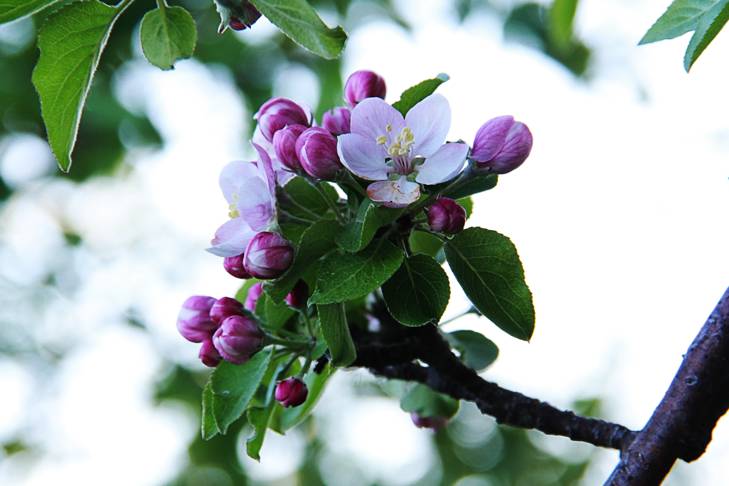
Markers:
point(167, 34)
point(427, 403)
point(680, 17)
point(477, 351)
point(17, 9)
point(561, 18)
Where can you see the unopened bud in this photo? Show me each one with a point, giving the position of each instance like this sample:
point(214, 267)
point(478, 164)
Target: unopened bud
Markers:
point(291, 392)
point(317, 151)
point(224, 308)
point(446, 216)
point(238, 338)
point(363, 84)
point(234, 266)
point(268, 255)
point(298, 295)
point(435, 422)
point(208, 354)
point(278, 113)
point(252, 297)
point(193, 321)
point(501, 145)
point(337, 120)
point(284, 144)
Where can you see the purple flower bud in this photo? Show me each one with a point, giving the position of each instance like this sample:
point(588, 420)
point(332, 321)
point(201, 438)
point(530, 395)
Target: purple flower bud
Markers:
point(278, 113)
point(317, 151)
point(208, 354)
point(337, 120)
point(291, 392)
point(268, 255)
point(363, 84)
point(194, 321)
point(446, 216)
point(501, 145)
point(244, 16)
point(252, 297)
point(238, 338)
point(284, 144)
point(298, 295)
point(224, 308)
point(435, 423)
point(234, 266)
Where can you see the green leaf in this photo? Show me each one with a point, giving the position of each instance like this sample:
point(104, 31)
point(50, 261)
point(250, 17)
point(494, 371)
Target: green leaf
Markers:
point(334, 328)
point(300, 199)
point(415, 94)
point(208, 426)
point(243, 290)
point(477, 183)
point(347, 276)
point(16, 9)
point(287, 418)
point(487, 266)
point(358, 233)
point(233, 387)
point(681, 16)
point(428, 403)
point(258, 418)
point(274, 315)
point(467, 204)
point(316, 241)
point(707, 28)
point(424, 243)
point(418, 293)
point(300, 22)
point(167, 34)
point(70, 42)
point(561, 18)
point(477, 351)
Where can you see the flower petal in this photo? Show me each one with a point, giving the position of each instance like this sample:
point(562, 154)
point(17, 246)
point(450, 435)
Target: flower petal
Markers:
point(371, 117)
point(443, 165)
point(362, 156)
point(231, 238)
point(265, 168)
point(429, 121)
point(394, 194)
point(232, 176)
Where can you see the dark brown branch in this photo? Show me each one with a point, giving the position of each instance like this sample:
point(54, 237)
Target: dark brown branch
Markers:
point(682, 424)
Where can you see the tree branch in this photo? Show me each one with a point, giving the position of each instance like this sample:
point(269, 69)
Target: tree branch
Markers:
point(682, 424)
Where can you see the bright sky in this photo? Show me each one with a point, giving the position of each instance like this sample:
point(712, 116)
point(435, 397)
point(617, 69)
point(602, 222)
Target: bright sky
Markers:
point(619, 217)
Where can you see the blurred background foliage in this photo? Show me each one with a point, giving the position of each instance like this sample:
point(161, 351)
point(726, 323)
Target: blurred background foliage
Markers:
point(493, 456)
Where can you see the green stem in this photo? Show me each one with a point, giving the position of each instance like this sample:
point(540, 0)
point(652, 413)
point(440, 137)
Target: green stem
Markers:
point(162, 4)
point(352, 182)
point(286, 343)
point(121, 6)
point(472, 310)
point(332, 205)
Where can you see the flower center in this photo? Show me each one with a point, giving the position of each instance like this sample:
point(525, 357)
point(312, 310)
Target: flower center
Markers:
point(398, 149)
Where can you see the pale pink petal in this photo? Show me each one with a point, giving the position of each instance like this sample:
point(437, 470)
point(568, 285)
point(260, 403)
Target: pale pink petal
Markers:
point(232, 177)
point(265, 168)
point(443, 165)
point(362, 156)
point(429, 121)
point(231, 238)
point(394, 194)
point(371, 118)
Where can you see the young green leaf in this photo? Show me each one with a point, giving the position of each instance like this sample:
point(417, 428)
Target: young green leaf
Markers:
point(477, 351)
point(369, 219)
point(415, 94)
point(487, 266)
point(561, 18)
point(233, 387)
point(17, 9)
point(418, 293)
point(167, 35)
point(681, 16)
point(287, 418)
point(334, 328)
point(300, 22)
point(347, 276)
point(427, 403)
point(70, 42)
point(707, 28)
point(208, 426)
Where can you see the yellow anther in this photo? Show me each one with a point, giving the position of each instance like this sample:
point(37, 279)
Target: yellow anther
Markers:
point(381, 140)
point(388, 127)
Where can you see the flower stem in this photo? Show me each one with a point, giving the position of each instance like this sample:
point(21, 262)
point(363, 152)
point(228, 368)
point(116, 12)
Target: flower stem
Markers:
point(332, 205)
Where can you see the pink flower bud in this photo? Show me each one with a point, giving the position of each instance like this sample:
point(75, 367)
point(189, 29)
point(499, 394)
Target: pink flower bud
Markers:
point(234, 266)
point(501, 145)
point(317, 151)
point(268, 255)
point(208, 354)
point(337, 120)
point(291, 392)
point(224, 308)
point(298, 295)
point(238, 338)
point(363, 84)
point(248, 16)
point(193, 321)
point(252, 297)
point(446, 216)
point(278, 113)
point(435, 423)
point(284, 144)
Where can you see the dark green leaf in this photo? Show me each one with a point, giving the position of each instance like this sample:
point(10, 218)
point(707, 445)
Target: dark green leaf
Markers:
point(418, 293)
point(425, 243)
point(561, 18)
point(487, 266)
point(358, 233)
point(300, 199)
point(347, 276)
point(208, 426)
point(316, 241)
point(427, 403)
point(334, 328)
point(167, 34)
point(233, 387)
point(287, 418)
point(273, 314)
point(415, 94)
point(16, 9)
point(298, 20)
point(477, 351)
point(258, 418)
point(71, 42)
point(477, 183)
point(707, 28)
point(681, 16)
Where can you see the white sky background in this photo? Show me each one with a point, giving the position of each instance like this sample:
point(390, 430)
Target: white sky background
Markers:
point(619, 217)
